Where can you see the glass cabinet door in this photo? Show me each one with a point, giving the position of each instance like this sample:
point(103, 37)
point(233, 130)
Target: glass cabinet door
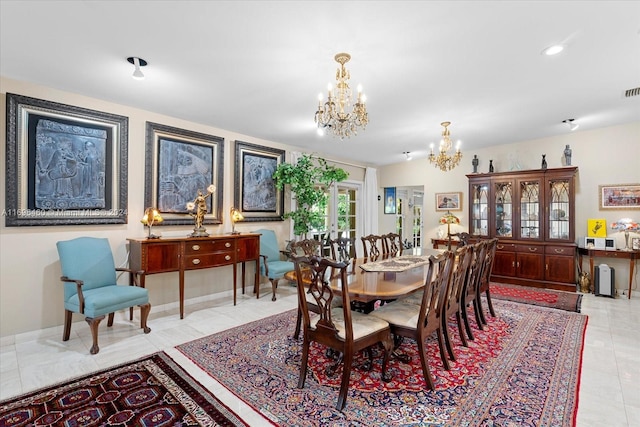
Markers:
point(530, 202)
point(503, 197)
point(559, 196)
point(479, 224)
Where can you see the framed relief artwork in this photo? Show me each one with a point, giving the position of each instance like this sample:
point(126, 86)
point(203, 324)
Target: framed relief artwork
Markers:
point(256, 195)
point(66, 165)
point(620, 196)
point(390, 200)
point(180, 164)
point(448, 201)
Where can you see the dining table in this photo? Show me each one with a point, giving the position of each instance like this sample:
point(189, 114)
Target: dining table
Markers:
point(382, 278)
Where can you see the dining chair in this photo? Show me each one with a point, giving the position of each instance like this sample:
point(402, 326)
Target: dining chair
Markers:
point(307, 248)
point(343, 249)
point(420, 321)
point(370, 246)
point(392, 244)
point(338, 328)
point(91, 288)
point(453, 296)
point(471, 286)
point(272, 266)
point(483, 288)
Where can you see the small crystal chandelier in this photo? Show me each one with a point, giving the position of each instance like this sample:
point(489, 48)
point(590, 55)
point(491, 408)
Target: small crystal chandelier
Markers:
point(336, 113)
point(443, 160)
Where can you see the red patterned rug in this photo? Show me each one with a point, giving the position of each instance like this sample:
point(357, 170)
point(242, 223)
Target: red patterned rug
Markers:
point(569, 301)
point(523, 370)
point(152, 391)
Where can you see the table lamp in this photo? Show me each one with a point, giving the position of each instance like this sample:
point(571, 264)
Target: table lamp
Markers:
point(235, 217)
point(151, 216)
point(449, 218)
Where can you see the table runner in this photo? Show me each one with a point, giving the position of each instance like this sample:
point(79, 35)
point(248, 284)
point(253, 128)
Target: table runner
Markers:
point(396, 264)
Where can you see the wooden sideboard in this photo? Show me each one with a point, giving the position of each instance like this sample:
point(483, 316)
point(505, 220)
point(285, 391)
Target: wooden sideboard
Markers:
point(193, 253)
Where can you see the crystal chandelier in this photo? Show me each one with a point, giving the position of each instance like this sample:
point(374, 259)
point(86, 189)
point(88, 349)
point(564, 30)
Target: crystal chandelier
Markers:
point(336, 113)
point(443, 160)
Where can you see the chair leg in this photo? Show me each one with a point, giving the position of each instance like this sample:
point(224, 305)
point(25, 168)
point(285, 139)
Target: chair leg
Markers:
point(93, 325)
point(388, 348)
point(483, 320)
point(144, 315)
point(465, 318)
point(422, 350)
point(296, 333)
point(441, 345)
point(67, 325)
point(344, 383)
point(476, 312)
point(274, 285)
point(463, 338)
point(447, 339)
point(493, 313)
point(303, 363)
point(110, 320)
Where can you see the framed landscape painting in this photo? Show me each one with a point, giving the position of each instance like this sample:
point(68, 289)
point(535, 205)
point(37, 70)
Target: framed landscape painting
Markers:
point(620, 196)
point(66, 165)
point(180, 163)
point(256, 195)
point(449, 201)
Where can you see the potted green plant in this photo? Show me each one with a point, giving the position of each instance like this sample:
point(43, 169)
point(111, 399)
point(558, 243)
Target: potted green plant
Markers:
point(308, 179)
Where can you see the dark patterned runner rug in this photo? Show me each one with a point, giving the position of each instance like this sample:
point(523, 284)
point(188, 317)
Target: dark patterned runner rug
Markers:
point(523, 370)
point(569, 301)
point(152, 391)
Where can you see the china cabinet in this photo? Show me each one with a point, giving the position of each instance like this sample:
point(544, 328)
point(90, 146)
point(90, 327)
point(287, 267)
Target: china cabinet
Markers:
point(532, 215)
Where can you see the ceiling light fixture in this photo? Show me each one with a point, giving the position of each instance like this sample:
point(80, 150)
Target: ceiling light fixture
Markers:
point(572, 125)
point(336, 113)
point(408, 155)
point(443, 160)
point(138, 62)
point(553, 50)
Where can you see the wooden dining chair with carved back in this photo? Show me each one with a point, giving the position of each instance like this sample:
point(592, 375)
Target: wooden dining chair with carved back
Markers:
point(392, 244)
point(307, 248)
point(343, 249)
point(338, 328)
point(453, 296)
point(420, 321)
point(371, 247)
point(471, 286)
point(483, 288)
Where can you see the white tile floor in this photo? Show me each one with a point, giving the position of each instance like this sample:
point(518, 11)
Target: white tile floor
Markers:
point(609, 384)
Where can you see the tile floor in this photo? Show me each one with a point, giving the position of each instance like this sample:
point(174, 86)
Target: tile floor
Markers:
point(609, 386)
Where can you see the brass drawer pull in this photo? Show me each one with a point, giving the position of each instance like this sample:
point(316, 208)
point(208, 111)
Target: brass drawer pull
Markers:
point(227, 257)
point(533, 249)
point(500, 246)
point(196, 261)
point(228, 244)
point(195, 247)
point(559, 251)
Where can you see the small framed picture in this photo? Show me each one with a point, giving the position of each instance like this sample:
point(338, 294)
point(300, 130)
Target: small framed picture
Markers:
point(635, 243)
point(448, 201)
point(390, 200)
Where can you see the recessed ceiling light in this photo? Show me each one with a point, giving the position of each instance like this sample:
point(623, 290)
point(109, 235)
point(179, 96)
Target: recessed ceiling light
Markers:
point(571, 123)
point(407, 154)
point(553, 50)
point(137, 62)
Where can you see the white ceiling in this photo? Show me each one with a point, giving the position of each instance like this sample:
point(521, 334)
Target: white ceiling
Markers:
point(256, 67)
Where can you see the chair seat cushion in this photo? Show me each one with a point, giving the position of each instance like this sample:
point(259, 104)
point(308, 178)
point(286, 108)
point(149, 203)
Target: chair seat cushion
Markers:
point(108, 299)
point(277, 269)
point(363, 324)
point(401, 312)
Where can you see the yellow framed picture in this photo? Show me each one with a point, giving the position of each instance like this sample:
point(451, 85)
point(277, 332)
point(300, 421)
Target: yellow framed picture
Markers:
point(596, 228)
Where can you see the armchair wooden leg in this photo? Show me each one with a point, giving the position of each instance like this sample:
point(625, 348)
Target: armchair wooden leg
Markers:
point(144, 314)
point(110, 320)
point(274, 285)
point(93, 325)
point(67, 325)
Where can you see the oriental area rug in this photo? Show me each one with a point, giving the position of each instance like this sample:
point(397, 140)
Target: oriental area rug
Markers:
point(522, 370)
point(561, 300)
point(152, 391)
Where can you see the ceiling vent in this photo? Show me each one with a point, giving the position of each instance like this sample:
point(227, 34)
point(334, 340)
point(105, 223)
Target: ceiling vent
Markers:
point(632, 92)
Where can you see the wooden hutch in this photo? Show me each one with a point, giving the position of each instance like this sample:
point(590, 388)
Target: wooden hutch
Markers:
point(532, 213)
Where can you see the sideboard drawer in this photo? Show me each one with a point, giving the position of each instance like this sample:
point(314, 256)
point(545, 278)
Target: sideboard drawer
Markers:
point(530, 249)
point(561, 250)
point(207, 246)
point(215, 259)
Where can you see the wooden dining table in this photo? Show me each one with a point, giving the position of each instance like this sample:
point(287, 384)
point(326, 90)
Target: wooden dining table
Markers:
point(367, 287)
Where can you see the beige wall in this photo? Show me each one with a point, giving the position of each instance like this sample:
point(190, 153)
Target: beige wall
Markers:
point(603, 156)
point(30, 289)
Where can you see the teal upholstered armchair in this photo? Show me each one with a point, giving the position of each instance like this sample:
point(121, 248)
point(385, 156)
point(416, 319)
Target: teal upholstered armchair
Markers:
point(271, 264)
point(90, 288)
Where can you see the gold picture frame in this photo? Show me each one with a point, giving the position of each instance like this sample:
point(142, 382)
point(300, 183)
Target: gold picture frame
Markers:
point(449, 201)
point(619, 196)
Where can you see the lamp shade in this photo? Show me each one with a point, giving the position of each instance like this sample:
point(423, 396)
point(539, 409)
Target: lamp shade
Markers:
point(449, 218)
point(151, 216)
